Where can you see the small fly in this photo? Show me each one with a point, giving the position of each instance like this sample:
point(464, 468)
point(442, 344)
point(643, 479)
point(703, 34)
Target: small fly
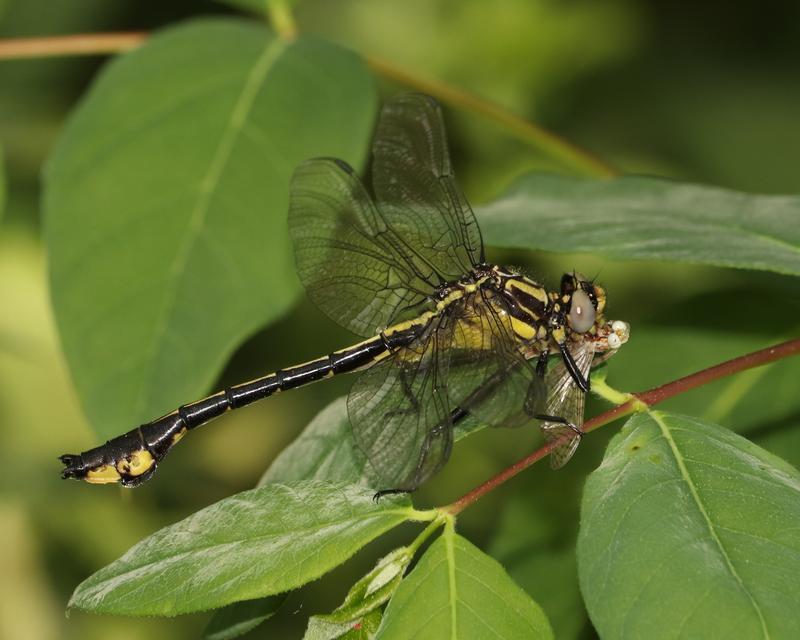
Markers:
point(448, 335)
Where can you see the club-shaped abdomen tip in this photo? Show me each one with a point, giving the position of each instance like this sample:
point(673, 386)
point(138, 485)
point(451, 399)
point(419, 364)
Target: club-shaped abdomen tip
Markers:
point(76, 466)
point(73, 466)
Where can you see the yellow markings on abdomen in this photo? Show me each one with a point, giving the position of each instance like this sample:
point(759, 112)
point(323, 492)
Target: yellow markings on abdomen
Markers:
point(137, 463)
point(103, 475)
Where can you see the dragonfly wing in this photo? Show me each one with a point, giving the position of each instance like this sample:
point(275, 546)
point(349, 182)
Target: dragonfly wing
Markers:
point(400, 411)
point(565, 400)
point(364, 264)
point(416, 189)
point(352, 265)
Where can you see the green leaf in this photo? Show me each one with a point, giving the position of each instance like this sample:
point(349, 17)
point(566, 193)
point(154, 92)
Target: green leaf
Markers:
point(373, 589)
point(325, 450)
point(689, 530)
point(260, 542)
point(166, 204)
point(364, 600)
point(537, 548)
point(783, 441)
point(236, 619)
point(647, 218)
point(364, 629)
point(457, 591)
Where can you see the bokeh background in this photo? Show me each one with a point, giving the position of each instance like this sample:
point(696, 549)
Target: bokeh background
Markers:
point(702, 92)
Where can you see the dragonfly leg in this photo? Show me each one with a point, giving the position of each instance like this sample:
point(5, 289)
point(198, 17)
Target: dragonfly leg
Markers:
point(456, 415)
point(390, 492)
point(423, 453)
point(559, 420)
point(541, 363)
point(409, 394)
point(576, 374)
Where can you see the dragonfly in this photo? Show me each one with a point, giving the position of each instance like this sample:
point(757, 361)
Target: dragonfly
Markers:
point(446, 334)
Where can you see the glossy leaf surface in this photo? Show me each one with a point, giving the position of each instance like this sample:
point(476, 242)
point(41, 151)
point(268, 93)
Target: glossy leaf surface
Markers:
point(257, 543)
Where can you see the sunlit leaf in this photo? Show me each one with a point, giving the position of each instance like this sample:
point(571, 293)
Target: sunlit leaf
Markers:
point(236, 619)
point(647, 218)
point(166, 204)
point(364, 629)
point(689, 530)
point(361, 609)
point(260, 542)
point(457, 591)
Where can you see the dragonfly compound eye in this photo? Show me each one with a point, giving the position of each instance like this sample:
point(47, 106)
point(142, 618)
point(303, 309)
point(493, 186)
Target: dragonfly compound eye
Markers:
point(582, 312)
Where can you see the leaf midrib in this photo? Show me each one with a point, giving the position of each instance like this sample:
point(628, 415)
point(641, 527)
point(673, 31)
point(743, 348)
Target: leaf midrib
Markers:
point(294, 533)
point(241, 109)
point(665, 432)
point(449, 535)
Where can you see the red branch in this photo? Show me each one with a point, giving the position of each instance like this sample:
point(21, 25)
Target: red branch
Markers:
point(651, 397)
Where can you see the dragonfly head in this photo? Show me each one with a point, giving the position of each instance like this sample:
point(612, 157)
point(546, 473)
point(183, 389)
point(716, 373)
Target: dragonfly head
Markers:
point(582, 302)
point(576, 309)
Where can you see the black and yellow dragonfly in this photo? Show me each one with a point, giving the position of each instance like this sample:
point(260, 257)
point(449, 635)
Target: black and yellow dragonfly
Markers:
point(449, 334)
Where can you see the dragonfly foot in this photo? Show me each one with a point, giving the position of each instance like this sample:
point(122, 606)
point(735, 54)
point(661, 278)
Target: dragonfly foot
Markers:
point(390, 492)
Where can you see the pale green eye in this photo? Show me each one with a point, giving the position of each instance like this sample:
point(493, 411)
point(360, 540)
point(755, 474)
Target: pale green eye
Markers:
point(581, 313)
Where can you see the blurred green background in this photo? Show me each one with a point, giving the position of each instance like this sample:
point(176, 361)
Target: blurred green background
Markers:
point(705, 93)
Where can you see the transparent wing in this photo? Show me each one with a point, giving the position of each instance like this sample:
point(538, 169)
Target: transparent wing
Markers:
point(416, 190)
point(488, 376)
point(400, 411)
point(363, 264)
point(401, 408)
point(353, 266)
point(565, 400)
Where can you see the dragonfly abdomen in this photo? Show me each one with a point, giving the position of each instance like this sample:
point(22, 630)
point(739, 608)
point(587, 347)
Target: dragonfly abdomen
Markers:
point(133, 457)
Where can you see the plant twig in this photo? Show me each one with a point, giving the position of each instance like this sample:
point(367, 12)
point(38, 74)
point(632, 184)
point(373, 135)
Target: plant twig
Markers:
point(639, 401)
point(281, 18)
point(542, 139)
point(282, 21)
point(85, 44)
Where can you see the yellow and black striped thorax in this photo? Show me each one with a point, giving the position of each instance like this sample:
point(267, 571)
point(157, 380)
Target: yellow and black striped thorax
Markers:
point(527, 304)
point(539, 315)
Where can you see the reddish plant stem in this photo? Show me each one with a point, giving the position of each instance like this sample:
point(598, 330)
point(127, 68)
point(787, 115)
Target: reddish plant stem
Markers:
point(648, 398)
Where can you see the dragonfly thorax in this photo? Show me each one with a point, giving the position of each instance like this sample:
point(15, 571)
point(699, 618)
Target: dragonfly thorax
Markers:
point(549, 317)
